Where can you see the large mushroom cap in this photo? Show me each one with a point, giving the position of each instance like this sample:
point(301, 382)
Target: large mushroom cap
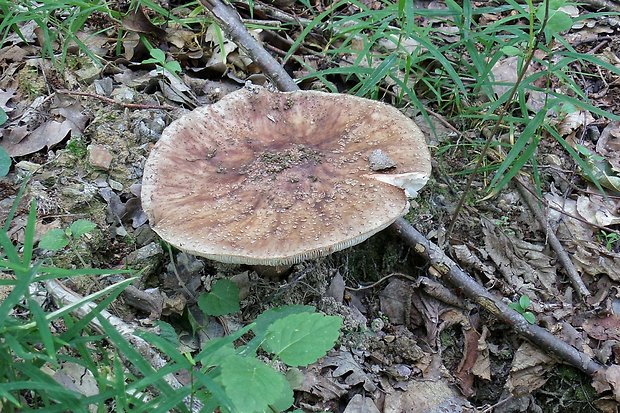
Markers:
point(275, 178)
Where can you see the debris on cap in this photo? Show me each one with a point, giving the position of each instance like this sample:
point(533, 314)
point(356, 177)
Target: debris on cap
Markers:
point(274, 178)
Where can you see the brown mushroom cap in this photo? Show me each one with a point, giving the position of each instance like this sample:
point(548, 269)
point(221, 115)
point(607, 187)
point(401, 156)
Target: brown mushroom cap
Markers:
point(276, 178)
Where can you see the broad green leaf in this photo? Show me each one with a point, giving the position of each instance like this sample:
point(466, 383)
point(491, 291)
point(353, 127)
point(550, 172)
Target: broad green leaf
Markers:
point(81, 227)
point(222, 299)
point(265, 319)
point(557, 20)
point(253, 386)
point(524, 301)
point(54, 240)
point(516, 307)
point(301, 339)
point(167, 332)
point(531, 318)
point(5, 162)
point(158, 55)
point(511, 51)
point(3, 116)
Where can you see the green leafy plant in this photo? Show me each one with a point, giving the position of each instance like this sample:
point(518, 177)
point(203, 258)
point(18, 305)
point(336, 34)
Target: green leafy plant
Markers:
point(521, 307)
point(158, 57)
point(609, 239)
point(57, 239)
point(229, 376)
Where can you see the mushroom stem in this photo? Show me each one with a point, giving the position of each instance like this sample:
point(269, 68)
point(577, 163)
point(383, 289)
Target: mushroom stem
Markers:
point(272, 272)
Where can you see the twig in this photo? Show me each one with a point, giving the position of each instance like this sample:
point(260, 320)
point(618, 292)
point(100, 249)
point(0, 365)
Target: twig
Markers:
point(449, 271)
point(277, 13)
point(442, 264)
point(115, 102)
point(230, 21)
point(63, 296)
point(563, 257)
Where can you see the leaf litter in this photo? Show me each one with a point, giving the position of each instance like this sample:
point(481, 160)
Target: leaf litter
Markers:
point(400, 358)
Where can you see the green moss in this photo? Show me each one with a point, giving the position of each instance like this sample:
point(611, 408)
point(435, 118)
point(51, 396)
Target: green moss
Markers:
point(30, 82)
point(77, 147)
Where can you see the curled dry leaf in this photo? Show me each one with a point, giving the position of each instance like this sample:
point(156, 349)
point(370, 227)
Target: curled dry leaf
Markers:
point(528, 370)
point(523, 264)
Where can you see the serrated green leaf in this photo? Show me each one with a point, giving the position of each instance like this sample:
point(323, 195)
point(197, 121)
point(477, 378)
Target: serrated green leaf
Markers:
point(301, 339)
point(5, 162)
point(81, 227)
point(222, 299)
point(264, 320)
point(253, 386)
point(524, 301)
point(54, 240)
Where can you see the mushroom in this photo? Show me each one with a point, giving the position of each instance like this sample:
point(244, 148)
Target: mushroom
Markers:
point(275, 178)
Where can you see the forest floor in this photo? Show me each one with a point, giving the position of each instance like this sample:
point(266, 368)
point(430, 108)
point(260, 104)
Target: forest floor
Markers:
point(84, 128)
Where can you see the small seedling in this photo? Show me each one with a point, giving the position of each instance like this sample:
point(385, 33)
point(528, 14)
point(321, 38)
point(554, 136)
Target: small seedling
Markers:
point(57, 238)
point(610, 239)
point(521, 307)
point(159, 58)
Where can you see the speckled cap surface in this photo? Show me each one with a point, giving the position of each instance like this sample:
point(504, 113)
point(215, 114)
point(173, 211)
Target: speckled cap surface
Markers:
point(274, 178)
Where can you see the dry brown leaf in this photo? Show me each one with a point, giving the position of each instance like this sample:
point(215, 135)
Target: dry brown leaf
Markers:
point(608, 379)
point(603, 328)
point(523, 264)
point(423, 396)
point(528, 370)
point(361, 404)
point(349, 368)
point(574, 121)
point(597, 210)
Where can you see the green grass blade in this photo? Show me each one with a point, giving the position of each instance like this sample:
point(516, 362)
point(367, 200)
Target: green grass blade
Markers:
point(375, 77)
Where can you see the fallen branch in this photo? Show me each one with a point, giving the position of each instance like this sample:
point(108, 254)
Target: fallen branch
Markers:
point(230, 22)
point(115, 102)
point(63, 296)
point(441, 265)
point(553, 240)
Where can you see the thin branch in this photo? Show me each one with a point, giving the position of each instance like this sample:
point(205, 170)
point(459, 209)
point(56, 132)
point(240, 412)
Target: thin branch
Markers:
point(553, 240)
point(449, 271)
point(115, 102)
point(230, 22)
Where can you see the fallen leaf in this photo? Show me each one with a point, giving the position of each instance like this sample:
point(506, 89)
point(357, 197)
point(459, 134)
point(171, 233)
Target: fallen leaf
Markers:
point(603, 328)
point(361, 404)
point(423, 396)
point(528, 370)
point(522, 263)
point(349, 369)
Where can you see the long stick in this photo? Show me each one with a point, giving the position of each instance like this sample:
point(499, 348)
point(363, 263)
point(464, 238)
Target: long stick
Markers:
point(441, 265)
point(228, 19)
